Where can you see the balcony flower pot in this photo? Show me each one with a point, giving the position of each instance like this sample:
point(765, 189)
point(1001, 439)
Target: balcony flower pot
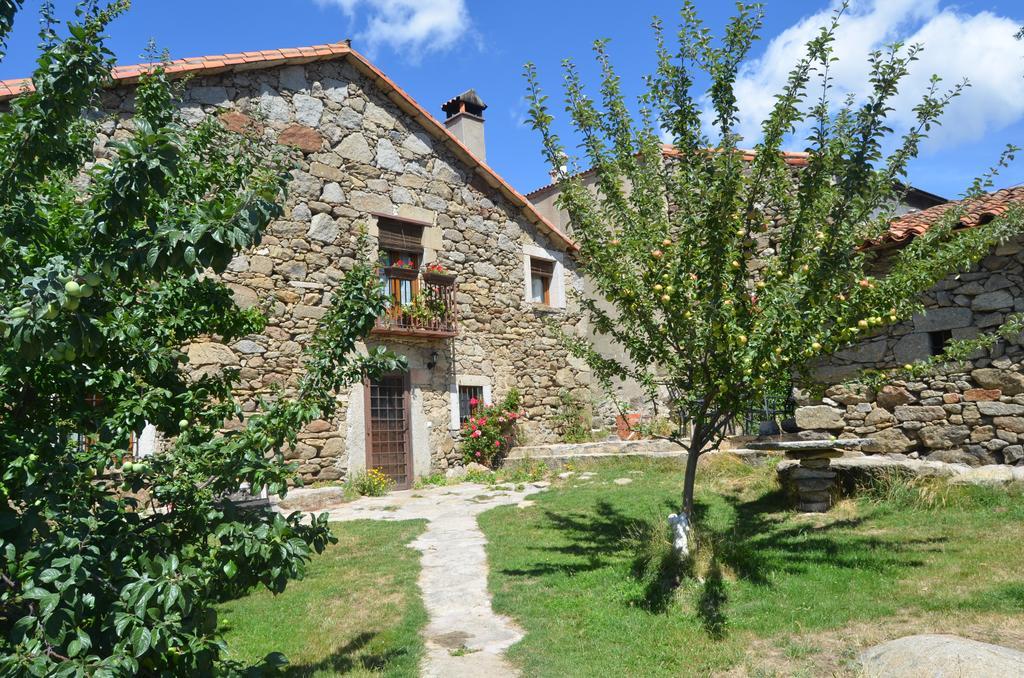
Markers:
point(625, 426)
point(400, 272)
point(438, 278)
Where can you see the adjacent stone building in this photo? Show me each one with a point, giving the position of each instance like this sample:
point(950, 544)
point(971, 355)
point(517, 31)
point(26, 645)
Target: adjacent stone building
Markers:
point(970, 413)
point(479, 280)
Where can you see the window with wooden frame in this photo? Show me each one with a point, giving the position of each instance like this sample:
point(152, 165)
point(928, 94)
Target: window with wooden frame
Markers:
point(401, 253)
point(470, 398)
point(542, 272)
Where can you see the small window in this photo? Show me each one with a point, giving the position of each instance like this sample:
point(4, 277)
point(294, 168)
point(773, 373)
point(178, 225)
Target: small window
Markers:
point(401, 252)
point(542, 271)
point(470, 398)
point(937, 341)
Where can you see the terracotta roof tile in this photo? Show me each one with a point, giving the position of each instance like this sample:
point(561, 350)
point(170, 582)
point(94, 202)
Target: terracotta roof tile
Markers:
point(199, 65)
point(977, 211)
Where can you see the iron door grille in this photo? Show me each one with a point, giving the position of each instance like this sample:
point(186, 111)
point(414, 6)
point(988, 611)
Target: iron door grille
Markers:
point(389, 429)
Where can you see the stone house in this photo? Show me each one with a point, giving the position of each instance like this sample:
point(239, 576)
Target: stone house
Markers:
point(447, 227)
point(970, 413)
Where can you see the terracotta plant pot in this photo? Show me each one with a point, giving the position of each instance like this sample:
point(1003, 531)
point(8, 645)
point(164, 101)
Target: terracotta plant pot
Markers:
point(401, 272)
point(626, 425)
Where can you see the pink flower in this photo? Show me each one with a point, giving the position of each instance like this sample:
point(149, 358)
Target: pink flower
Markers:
point(483, 421)
point(476, 434)
point(497, 443)
point(478, 454)
point(473, 402)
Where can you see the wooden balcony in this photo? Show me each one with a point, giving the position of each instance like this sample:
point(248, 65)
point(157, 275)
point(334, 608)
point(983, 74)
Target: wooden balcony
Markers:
point(432, 313)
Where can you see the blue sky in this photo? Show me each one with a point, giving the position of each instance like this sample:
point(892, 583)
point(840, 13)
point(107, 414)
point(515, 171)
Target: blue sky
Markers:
point(435, 49)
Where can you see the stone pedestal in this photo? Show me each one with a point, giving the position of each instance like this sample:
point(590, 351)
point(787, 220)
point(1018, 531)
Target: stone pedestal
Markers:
point(815, 481)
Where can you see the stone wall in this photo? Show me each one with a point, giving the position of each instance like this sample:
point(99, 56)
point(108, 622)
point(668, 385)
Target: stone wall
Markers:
point(962, 305)
point(970, 413)
point(357, 154)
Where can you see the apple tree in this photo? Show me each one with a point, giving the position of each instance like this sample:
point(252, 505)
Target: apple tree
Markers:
point(724, 273)
point(108, 566)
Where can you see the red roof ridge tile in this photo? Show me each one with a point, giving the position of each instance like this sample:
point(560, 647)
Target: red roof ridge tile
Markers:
point(977, 211)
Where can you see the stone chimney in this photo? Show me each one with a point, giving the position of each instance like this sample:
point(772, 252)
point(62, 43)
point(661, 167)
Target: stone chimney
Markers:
point(466, 121)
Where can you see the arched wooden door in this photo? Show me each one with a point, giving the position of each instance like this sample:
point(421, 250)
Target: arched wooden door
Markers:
point(388, 428)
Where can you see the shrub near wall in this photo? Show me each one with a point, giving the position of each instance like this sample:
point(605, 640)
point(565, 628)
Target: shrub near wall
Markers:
point(491, 431)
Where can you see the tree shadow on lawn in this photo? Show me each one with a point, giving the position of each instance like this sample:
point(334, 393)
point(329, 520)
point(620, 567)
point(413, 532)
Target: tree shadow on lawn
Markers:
point(344, 659)
point(595, 539)
point(757, 542)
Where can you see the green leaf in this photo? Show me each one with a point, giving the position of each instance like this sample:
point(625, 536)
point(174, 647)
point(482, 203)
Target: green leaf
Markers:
point(140, 641)
point(230, 569)
point(49, 575)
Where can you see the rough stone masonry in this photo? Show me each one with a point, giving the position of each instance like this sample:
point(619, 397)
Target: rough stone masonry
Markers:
point(971, 413)
point(357, 155)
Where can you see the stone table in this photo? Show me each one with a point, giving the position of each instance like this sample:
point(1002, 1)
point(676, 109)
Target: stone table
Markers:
point(815, 481)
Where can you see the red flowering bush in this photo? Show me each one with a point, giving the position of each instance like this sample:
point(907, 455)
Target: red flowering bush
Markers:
point(436, 268)
point(491, 430)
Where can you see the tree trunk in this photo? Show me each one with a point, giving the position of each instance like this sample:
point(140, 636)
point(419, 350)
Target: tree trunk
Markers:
point(681, 523)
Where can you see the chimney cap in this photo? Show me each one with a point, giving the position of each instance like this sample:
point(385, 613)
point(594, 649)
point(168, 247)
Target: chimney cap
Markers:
point(467, 102)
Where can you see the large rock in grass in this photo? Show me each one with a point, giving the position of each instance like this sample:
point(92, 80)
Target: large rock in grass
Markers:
point(941, 656)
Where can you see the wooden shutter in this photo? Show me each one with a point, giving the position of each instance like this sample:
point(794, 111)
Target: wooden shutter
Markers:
point(399, 235)
point(542, 267)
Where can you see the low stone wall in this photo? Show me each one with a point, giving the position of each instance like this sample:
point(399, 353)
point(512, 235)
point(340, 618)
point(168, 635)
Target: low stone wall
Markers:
point(973, 417)
point(854, 471)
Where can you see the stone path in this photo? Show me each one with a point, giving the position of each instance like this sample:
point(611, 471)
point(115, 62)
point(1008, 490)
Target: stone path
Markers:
point(464, 637)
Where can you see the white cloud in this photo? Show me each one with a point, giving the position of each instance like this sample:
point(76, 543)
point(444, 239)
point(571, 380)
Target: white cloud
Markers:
point(410, 26)
point(980, 47)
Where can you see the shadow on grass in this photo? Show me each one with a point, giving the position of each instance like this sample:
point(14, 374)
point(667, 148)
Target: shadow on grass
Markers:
point(344, 659)
point(711, 605)
point(757, 542)
point(595, 539)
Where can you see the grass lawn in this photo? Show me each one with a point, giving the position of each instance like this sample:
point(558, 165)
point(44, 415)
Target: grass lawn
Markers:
point(358, 612)
point(778, 593)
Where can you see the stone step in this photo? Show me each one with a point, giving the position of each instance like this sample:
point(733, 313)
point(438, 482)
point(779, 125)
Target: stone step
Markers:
point(607, 448)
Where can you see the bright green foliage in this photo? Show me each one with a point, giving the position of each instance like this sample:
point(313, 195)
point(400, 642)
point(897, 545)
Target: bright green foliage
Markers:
point(669, 238)
point(491, 430)
point(109, 569)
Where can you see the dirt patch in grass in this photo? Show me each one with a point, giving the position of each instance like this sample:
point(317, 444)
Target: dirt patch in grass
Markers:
point(834, 652)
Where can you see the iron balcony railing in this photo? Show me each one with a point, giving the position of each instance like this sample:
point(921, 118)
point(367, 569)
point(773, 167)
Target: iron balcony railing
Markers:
point(422, 304)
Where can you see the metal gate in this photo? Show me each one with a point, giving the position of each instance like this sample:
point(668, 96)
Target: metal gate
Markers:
point(388, 440)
